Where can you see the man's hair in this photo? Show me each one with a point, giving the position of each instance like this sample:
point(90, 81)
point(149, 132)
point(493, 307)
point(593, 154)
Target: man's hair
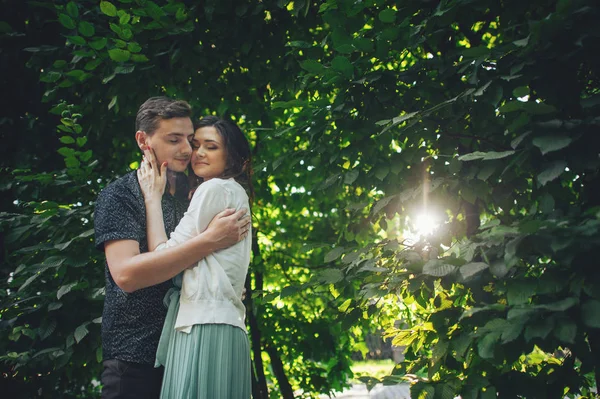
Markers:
point(156, 109)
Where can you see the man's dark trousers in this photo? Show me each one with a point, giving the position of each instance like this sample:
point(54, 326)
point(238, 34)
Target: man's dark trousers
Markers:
point(127, 380)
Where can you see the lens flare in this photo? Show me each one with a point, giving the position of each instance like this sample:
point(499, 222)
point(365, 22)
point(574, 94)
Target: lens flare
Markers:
point(425, 224)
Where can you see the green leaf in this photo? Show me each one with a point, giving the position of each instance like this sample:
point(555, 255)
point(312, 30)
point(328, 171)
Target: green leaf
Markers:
point(67, 140)
point(387, 16)
point(540, 329)
point(29, 281)
point(65, 289)
point(437, 268)
point(553, 171)
point(444, 391)
point(422, 390)
point(154, 10)
point(126, 34)
point(124, 18)
point(334, 254)
point(120, 43)
point(50, 77)
point(536, 108)
point(590, 313)
point(76, 73)
point(351, 176)
point(486, 346)
point(519, 292)
point(289, 291)
point(471, 269)
point(566, 331)
point(119, 55)
point(181, 14)
point(399, 119)
point(345, 49)
point(299, 44)
point(93, 64)
point(363, 44)
point(515, 142)
point(512, 330)
point(548, 144)
point(381, 172)
point(108, 8)
point(115, 28)
point(112, 102)
point(476, 52)
point(486, 156)
point(342, 65)
point(134, 47)
point(81, 332)
point(86, 29)
point(66, 21)
point(72, 9)
point(46, 329)
point(139, 58)
point(344, 306)
point(5, 27)
point(381, 204)
point(66, 152)
point(522, 42)
point(98, 44)
point(521, 91)
point(312, 66)
point(560, 306)
point(510, 106)
point(330, 276)
point(489, 393)
point(78, 40)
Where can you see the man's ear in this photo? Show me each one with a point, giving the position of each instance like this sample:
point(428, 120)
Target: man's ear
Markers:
point(141, 138)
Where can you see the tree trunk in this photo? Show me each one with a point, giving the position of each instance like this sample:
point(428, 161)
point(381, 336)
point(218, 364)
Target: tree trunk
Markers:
point(259, 382)
point(284, 384)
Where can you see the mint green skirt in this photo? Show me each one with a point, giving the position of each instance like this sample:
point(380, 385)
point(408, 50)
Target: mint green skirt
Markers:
point(211, 362)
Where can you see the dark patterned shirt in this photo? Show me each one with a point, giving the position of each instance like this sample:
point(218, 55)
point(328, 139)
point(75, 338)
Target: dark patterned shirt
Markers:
point(131, 322)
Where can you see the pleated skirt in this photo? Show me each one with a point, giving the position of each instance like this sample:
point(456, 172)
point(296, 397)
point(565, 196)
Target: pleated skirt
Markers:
point(211, 362)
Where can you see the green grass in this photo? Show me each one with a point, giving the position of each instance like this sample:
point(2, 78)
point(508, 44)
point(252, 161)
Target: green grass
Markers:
point(372, 368)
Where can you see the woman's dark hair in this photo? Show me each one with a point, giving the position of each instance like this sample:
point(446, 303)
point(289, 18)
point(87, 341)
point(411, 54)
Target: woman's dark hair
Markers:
point(239, 158)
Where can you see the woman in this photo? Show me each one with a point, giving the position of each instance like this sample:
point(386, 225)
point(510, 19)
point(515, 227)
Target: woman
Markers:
point(204, 345)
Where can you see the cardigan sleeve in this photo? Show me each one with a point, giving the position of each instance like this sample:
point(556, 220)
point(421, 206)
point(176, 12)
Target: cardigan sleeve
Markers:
point(208, 200)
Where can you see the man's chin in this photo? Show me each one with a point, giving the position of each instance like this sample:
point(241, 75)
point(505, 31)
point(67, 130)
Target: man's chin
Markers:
point(177, 169)
point(177, 166)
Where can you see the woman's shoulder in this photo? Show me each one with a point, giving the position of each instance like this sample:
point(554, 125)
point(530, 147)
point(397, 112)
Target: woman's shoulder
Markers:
point(212, 186)
point(219, 187)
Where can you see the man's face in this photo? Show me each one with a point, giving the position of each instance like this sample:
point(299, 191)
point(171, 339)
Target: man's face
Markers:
point(171, 143)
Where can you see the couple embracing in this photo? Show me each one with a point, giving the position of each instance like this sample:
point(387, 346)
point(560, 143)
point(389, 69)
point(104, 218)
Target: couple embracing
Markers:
point(177, 252)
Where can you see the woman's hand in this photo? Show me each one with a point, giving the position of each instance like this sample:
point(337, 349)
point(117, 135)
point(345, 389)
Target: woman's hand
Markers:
point(152, 180)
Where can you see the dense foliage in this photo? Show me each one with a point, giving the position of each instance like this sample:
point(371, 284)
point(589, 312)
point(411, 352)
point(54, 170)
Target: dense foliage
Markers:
point(481, 115)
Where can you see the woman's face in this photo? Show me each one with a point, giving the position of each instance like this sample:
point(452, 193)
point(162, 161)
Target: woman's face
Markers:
point(209, 156)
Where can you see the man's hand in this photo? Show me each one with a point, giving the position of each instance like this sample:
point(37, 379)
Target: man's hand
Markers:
point(228, 228)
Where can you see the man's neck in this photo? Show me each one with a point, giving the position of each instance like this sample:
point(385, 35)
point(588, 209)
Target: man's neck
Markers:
point(172, 180)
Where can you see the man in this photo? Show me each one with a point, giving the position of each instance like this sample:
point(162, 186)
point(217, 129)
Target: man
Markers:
point(137, 281)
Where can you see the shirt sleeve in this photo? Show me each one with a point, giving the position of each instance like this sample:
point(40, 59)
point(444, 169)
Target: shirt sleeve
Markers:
point(208, 200)
point(116, 217)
